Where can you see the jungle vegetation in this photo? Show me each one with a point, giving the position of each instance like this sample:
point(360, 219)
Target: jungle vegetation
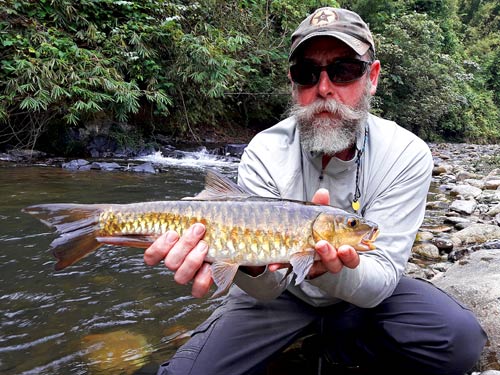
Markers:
point(136, 68)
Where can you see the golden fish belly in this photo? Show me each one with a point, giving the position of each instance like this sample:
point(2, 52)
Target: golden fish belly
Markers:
point(243, 232)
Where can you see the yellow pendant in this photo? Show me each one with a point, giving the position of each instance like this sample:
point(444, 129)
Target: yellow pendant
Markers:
point(355, 205)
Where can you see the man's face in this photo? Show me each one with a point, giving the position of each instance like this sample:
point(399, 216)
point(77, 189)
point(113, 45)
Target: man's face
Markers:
point(330, 114)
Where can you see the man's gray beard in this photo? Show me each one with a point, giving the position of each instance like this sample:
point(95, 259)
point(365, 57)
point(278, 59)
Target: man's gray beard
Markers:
point(331, 135)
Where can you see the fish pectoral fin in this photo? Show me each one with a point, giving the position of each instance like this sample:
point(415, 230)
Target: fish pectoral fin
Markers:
point(301, 263)
point(223, 274)
point(142, 242)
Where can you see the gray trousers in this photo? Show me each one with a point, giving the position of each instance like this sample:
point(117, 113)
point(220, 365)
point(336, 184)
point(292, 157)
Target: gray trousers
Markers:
point(418, 330)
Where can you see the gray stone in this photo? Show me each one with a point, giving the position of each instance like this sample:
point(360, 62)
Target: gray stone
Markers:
point(464, 207)
point(494, 210)
point(466, 191)
point(491, 184)
point(475, 281)
point(426, 250)
point(477, 234)
point(143, 168)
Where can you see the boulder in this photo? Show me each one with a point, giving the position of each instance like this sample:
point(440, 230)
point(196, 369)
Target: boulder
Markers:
point(475, 281)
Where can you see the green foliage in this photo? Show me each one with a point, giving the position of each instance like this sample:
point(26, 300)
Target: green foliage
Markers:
point(429, 84)
point(181, 66)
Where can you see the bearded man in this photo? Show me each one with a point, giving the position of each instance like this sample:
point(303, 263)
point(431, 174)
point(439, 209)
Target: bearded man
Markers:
point(361, 307)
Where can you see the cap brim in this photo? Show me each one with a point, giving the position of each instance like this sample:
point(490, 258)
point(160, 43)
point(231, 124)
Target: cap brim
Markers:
point(355, 44)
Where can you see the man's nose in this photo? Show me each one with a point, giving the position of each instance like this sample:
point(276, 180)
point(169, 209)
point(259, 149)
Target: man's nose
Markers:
point(326, 88)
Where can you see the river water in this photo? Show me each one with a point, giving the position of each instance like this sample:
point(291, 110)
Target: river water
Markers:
point(109, 313)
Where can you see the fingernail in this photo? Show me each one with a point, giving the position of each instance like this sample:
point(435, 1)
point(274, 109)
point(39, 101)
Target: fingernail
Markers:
point(202, 247)
point(322, 249)
point(171, 237)
point(198, 229)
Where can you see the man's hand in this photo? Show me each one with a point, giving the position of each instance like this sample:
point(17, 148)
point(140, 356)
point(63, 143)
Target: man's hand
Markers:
point(331, 259)
point(185, 256)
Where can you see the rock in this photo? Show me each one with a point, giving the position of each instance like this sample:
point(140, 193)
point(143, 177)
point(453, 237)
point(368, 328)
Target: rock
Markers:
point(494, 211)
point(437, 205)
point(456, 220)
point(235, 149)
point(476, 183)
point(120, 352)
point(75, 164)
point(426, 250)
point(443, 244)
point(492, 184)
point(143, 168)
point(464, 175)
point(476, 283)
point(439, 170)
point(464, 207)
point(423, 236)
point(466, 191)
point(414, 270)
point(105, 166)
point(478, 233)
point(494, 174)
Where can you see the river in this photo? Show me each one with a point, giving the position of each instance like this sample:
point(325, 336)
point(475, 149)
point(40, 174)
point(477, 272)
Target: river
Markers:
point(109, 313)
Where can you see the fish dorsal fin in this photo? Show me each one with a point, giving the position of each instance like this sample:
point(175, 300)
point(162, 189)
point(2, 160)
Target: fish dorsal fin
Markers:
point(220, 187)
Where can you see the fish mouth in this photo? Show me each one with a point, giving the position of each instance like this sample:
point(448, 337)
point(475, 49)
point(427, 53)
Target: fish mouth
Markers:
point(370, 237)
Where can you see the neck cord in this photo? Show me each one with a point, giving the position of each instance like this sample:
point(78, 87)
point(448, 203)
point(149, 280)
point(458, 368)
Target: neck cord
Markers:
point(357, 191)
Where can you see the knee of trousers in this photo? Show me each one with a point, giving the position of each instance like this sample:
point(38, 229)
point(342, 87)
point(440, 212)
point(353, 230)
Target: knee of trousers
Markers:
point(456, 348)
point(467, 342)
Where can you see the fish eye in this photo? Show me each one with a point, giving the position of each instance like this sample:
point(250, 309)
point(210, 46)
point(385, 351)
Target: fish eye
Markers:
point(352, 222)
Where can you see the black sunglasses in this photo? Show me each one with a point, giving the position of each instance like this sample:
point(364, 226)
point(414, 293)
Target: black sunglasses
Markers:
point(306, 73)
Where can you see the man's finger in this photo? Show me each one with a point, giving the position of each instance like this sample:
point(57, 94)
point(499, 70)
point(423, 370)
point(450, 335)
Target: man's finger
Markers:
point(329, 257)
point(202, 281)
point(191, 264)
point(184, 245)
point(322, 196)
point(160, 248)
point(349, 256)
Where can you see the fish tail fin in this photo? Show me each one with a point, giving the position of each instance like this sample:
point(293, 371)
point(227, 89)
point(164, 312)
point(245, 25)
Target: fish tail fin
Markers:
point(77, 226)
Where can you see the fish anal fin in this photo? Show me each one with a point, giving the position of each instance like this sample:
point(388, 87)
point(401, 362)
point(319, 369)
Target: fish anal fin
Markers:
point(301, 263)
point(223, 274)
point(142, 242)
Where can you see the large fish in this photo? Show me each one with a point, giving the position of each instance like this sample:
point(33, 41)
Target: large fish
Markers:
point(241, 229)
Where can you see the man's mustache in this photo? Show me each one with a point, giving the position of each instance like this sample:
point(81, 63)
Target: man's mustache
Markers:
point(332, 106)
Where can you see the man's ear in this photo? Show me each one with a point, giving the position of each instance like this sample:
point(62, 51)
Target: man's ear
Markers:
point(374, 74)
point(292, 85)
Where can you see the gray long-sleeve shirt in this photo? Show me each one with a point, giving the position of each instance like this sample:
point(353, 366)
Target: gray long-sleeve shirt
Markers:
point(394, 178)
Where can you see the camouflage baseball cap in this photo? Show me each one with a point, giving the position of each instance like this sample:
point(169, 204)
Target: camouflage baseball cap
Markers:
point(342, 24)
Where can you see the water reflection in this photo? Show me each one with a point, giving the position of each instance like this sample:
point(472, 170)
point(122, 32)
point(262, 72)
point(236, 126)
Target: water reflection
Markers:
point(58, 322)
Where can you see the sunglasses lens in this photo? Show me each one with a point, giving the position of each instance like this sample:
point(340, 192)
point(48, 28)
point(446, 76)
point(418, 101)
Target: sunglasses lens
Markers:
point(339, 71)
point(346, 70)
point(305, 74)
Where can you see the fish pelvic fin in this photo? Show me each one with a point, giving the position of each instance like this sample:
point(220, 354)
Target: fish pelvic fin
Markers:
point(77, 226)
point(223, 274)
point(302, 263)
